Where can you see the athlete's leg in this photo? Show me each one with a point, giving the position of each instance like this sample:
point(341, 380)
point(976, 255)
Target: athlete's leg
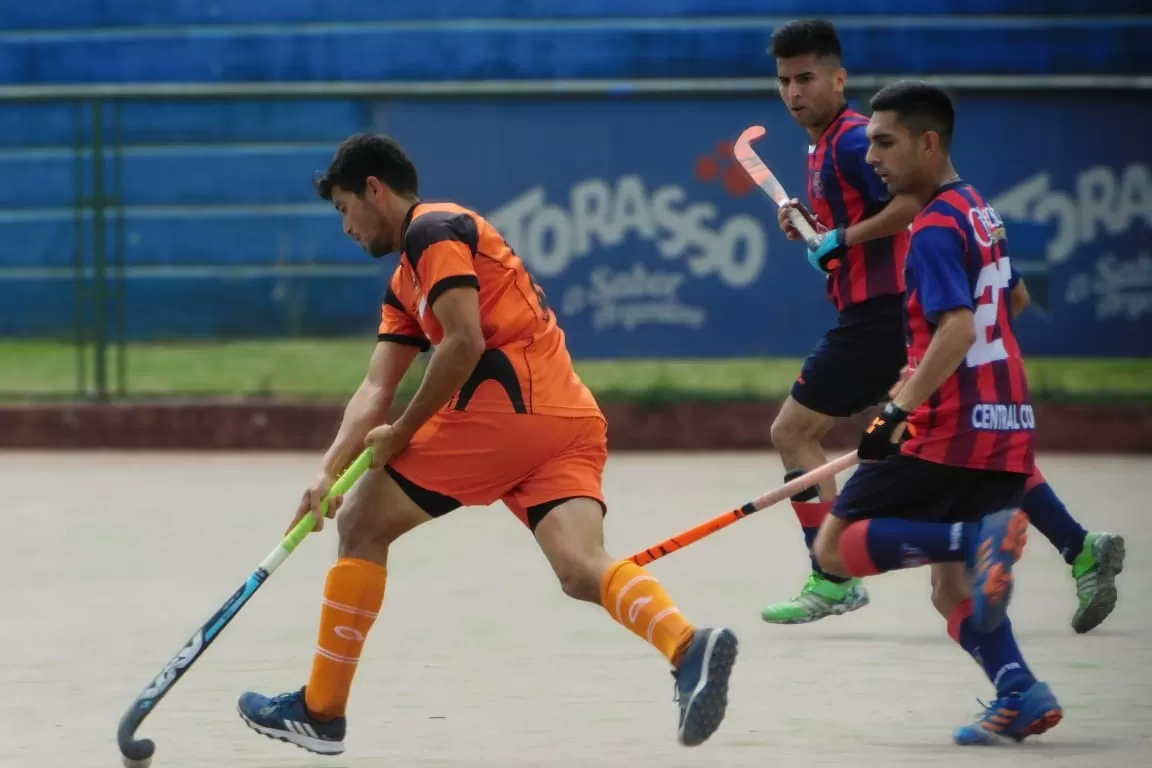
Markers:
point(1095, 557)
point(1023, 706)
point(904, 513)
point(796, 434)
point(571, 535)
point(374, 514)
point(562, 503)
point(823, 392)
point(852, 369)
point(893, 515)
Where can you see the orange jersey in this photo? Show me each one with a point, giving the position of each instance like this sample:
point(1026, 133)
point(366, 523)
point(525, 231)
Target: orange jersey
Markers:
point(526, 367)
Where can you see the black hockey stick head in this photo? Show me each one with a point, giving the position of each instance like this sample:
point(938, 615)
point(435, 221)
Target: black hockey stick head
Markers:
point(137, 753)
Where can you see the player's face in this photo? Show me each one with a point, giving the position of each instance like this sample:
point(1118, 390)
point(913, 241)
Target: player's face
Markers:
point(811, 87)
point(364, 219)
point(894, 153)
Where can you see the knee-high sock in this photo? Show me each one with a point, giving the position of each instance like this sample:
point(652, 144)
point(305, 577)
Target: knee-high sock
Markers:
point(1049, 515)
point(353, 595)
point(877, 546)
point(635, 599)
point(811, 514)
point(995, 651)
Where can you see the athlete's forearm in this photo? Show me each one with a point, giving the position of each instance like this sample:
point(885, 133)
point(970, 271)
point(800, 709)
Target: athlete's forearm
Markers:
point(950, 344)
point(1020, 299)
point(451, 365)
point(367, 408)
point(893, 220)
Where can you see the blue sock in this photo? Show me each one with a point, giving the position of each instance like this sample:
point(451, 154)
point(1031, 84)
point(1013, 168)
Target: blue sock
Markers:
point(811, 514)
point(1049, 515)
point(996, 651)
point(881, 545)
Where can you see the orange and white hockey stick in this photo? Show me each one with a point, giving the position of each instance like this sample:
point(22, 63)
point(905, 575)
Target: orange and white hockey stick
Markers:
point(786, 491)
point(769, 184)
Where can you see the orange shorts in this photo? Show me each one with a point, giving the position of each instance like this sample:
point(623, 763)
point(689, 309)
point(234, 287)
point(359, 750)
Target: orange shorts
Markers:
point(530, 462)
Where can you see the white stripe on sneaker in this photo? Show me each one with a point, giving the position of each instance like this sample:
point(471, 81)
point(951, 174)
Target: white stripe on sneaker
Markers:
point(317, 745)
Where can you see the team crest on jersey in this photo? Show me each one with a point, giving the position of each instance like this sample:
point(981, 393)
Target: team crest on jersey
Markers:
point(817, 185)
point(987, 225)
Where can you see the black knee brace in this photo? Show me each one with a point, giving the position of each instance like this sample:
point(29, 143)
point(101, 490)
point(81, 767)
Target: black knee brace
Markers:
point(808, 494)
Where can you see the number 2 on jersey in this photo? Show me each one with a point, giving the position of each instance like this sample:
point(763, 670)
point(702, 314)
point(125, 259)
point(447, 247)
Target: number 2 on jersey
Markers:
point(985, 349)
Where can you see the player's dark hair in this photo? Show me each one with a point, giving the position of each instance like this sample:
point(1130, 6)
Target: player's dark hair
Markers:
point(362, 155)
point(805, 36)
point(919, 107)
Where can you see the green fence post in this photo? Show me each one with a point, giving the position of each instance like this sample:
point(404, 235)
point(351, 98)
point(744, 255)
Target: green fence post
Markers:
point(118, 252)
point(82, 293)
point(99, 252)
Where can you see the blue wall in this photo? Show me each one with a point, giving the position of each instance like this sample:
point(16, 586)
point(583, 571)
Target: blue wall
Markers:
point(644, 246)
point(627, 48)
point(86, 41)
point(141, 13)
point(639, 227)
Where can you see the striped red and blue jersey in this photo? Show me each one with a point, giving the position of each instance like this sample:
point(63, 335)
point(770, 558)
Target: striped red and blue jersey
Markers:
point(843, 190)
point(981, 417)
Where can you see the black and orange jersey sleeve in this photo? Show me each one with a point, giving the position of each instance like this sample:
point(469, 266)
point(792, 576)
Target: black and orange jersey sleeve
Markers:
point(396, 324)
point(441, 247)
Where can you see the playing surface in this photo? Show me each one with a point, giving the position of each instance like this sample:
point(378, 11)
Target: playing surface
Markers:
point(111, 561)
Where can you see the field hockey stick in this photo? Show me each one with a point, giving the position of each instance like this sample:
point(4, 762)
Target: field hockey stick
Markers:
point(137, 753)
point(768, 183)
point(788, 490)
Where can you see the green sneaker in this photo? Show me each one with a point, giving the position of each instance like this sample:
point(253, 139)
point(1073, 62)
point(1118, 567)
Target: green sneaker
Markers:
point(1095, 570)
point(818, 599)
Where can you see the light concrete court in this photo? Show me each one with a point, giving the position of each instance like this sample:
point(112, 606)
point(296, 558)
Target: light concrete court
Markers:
point(111, 561)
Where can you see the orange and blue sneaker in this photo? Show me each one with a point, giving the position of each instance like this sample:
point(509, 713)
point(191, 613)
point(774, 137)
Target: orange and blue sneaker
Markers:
point(998, 545)
point(1013, 718)
point(702, 684)
point(286, 717)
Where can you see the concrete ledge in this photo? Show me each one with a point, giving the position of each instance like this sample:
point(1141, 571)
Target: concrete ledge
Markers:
point(679, 426)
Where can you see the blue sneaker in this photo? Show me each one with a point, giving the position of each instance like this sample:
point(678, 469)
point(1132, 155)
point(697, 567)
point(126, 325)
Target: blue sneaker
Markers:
point(286, 718)
point(1013, 718)
point(702, 684)
point(999, 544)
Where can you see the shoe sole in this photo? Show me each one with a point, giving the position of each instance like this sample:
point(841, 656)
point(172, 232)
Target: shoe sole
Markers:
point(1050, 714)
point(838, 610)
point(1110, 559)
point(709, 701)
point(1042, 724)
point(1049, 718)
point(320, 747)
point(996, 554)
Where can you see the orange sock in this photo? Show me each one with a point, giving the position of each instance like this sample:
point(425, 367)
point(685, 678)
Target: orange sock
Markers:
point(352, 598)
point(634, 598)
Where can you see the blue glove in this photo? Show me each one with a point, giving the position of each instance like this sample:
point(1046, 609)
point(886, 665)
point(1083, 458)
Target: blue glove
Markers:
point(828, 254)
